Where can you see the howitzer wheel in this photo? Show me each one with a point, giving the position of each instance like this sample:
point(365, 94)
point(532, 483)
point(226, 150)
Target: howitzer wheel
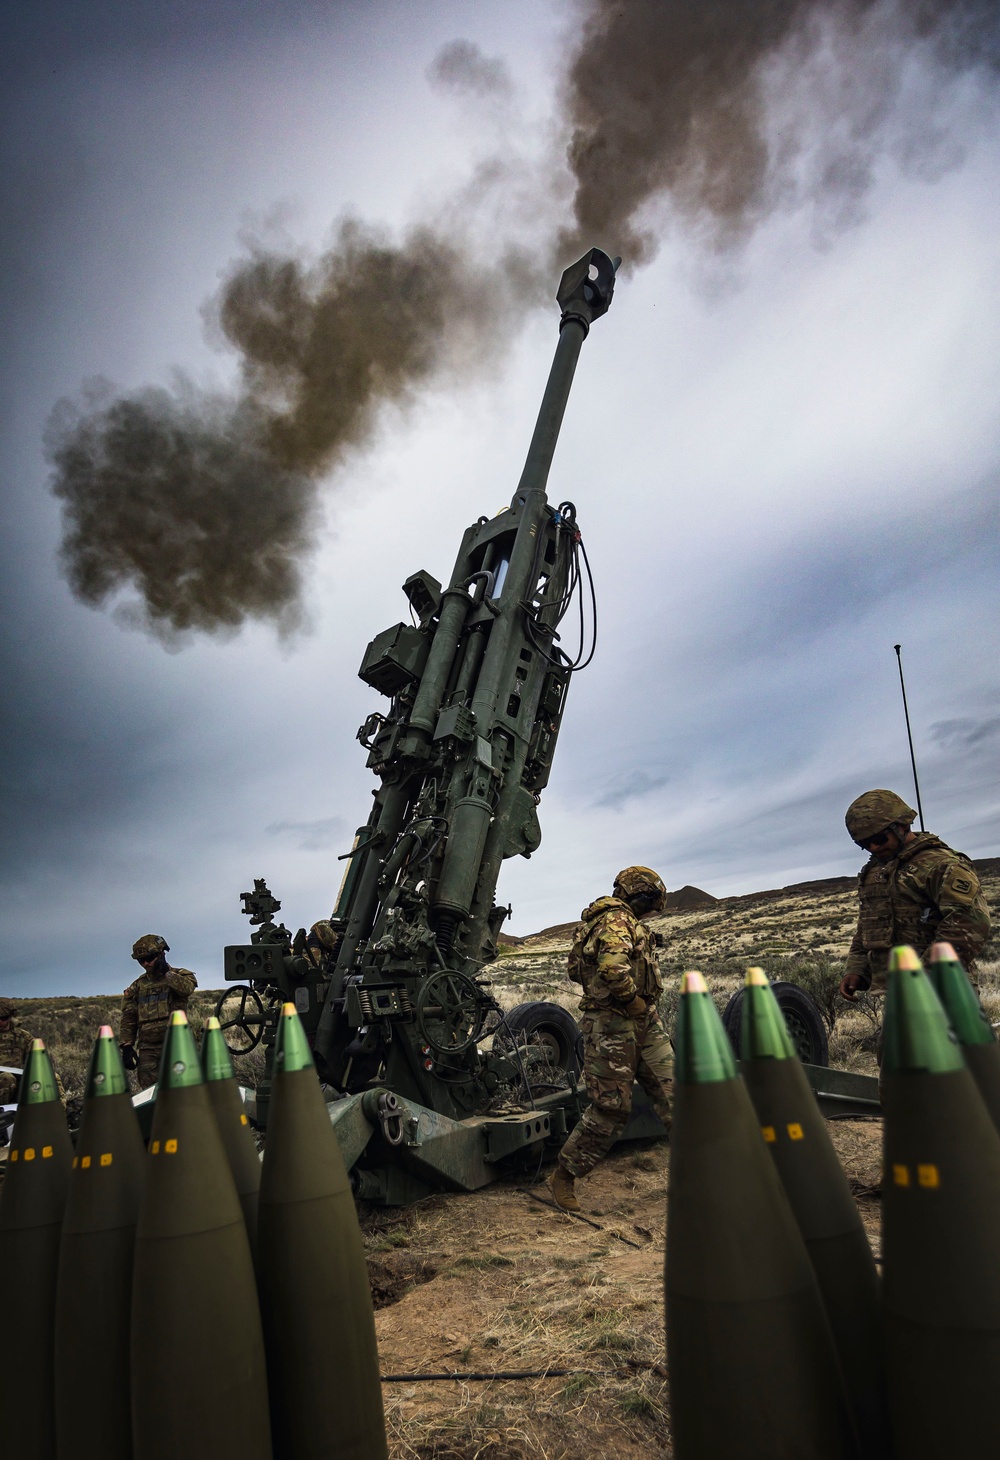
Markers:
point(803, 1019)
point(451, 1011)
point(548, 1025)
point(242, 1027)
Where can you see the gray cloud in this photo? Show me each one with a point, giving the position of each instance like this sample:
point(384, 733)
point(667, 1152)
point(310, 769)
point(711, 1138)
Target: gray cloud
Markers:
point(462, 67)
point(965, 733)
point(629, 785)
point(310, 836)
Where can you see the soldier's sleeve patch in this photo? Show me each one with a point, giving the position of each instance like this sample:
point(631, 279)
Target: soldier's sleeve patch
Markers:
point(959, 884)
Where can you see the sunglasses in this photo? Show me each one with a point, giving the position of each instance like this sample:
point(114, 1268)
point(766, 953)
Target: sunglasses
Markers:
point(879, 840)
point(148, 958)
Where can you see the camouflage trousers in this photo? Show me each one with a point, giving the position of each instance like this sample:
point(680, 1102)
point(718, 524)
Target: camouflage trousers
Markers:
point(618, 1051)
point(148, 1070)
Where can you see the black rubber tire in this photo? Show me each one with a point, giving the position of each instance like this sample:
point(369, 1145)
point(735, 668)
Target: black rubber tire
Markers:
point(550, 1022)
point(803, 1016)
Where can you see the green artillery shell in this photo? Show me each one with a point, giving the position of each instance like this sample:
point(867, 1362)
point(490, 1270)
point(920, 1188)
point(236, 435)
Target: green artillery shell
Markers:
point(940, 1234)
point(323, 1368)
point(94, 1297)
point(972, 1028)
point(223, 1092)
point(826, 1212)
point(753, 1373)
point(198, 1372)
point(32, 1201)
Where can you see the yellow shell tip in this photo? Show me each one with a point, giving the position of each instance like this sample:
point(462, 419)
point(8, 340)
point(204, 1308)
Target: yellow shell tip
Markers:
point(38, 1044)
point(905, 959)
point(178, 1017)
point(288, 1009)
point(212, 1023)
point(693, 982)
point(756, 978)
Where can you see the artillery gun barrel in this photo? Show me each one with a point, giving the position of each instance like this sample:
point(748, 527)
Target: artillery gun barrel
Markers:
point(469, 688)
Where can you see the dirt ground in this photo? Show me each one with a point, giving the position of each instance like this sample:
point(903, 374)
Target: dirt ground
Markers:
point(495, 1281)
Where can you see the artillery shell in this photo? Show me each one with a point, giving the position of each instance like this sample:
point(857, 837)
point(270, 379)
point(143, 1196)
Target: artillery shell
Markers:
point(94, 1297)
point(827, 1215)
point(972, 1028)
point(323, 1368)
point(940, 1239)
point(753, 1372)
point(32, 1202)
point(198, 1371)
point(241, 1149)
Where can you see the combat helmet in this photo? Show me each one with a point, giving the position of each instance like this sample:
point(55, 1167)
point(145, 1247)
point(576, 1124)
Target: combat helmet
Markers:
point(8, 1008)
point(641, 881)
point(148, 944)
point(324, 934)
point(873, 811)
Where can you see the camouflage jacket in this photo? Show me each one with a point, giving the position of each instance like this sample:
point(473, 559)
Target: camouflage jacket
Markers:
point(925, 894)
point(148, 1003)
point(15, 1046)
point(613, 956)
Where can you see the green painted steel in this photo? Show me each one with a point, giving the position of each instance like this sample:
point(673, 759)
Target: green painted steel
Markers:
point(32, 1201)
point(753, 1371)
point(958, 998)
point(106, 1074)
point(194, 1292)
point(969, 1021)
point(763, 1032)
point(476, 688)
point(38, 1082)
point(215, 1061)
point(940, 1238)
point(917, 1034)
point(234, 1127)
point(827, 1215)
point(180, 1067)
point(702, 1052)
point(94, 1297)
point(322, 1356)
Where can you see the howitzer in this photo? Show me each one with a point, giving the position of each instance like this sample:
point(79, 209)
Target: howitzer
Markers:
point(396, 1006)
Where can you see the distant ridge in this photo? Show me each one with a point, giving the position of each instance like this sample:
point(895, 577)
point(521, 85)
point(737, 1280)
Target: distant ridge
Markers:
point(689, 897)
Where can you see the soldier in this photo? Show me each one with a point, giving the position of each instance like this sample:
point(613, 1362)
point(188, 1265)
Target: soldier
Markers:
point(147, 1005)
point(322, 945)
point(613, 956)
point(913, 889)
point(15, 1046)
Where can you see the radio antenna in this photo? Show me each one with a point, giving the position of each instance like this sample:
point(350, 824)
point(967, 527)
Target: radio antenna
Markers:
point(909, 735)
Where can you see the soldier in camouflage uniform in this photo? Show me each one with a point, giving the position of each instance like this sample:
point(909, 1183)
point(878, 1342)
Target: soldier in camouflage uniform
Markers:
point(613, 956)
point(147, 1005)
point(15, 1046)
point(913, 889)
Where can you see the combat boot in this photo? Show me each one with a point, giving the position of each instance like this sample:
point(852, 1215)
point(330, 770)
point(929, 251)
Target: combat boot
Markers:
point(561, 1186)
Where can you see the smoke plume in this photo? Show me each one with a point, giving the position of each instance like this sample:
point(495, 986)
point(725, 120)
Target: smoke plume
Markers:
point(733, 108)
point(207, 507)
point(710, 113)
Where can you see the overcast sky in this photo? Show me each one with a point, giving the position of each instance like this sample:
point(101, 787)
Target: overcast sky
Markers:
point(783, 445)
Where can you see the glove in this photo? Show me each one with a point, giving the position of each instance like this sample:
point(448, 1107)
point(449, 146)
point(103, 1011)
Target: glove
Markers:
point(129, 1057)
point(636, 1008)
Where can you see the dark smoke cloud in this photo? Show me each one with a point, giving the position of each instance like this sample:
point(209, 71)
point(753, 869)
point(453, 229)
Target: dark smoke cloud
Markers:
point(205, 508)
point(679, 98)
point(179, 496)
point(462, 67)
